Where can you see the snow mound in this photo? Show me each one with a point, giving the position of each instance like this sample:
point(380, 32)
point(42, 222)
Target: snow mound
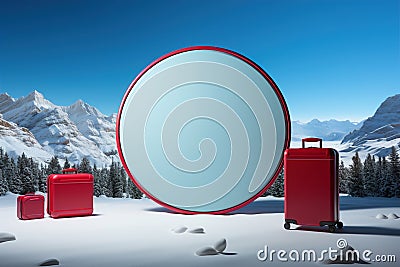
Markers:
point(206, 251)
point(220, 245)
point(179, 229)
point(4, 237)
point(393, 216)
point(218, 248)
point(50, 262)
point(198, 230)
point(182, 229)
point(381, 216)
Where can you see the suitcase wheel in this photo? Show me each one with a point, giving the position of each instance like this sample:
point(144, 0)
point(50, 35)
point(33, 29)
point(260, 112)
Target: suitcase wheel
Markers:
point(332, 228)
point(286, 225)
point(339, 225)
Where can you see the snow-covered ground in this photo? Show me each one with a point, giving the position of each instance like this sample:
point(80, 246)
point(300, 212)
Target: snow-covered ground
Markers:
point(125, 232)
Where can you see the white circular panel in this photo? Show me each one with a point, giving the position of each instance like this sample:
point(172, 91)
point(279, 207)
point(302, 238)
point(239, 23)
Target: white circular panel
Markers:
point(203, 129)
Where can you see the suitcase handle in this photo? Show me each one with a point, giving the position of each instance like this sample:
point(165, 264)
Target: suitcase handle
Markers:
point(311, 139)
point(73, 170)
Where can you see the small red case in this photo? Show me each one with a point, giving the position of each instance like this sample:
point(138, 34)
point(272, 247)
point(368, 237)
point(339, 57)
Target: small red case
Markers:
point(30, 206)
point(70, 194)
point(311, 186)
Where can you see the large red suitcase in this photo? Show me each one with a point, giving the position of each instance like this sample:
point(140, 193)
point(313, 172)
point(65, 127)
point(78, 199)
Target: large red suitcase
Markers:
point(30, 206)
point(69, 194)
point(311, 186)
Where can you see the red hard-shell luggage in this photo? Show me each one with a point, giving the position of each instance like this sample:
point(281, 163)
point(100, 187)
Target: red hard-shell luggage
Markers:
point(69, 194)
point(311, 186)
point(30, 206)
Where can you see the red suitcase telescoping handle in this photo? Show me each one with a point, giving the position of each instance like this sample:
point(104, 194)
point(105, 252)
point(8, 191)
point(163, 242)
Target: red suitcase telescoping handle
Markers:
point(311, 139)
point(70, 170)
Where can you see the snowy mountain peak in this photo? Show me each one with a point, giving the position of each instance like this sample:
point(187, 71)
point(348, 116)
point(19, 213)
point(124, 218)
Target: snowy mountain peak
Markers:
point(18, 110)
point(80, 108)
point(112, 118)
point(79, 104)
point(379, 132)
point(36, 99)
point(4, 96)
point(390, 106)
point(35, 95)
point(72, 132)
point(314, 121)
point(5, 100)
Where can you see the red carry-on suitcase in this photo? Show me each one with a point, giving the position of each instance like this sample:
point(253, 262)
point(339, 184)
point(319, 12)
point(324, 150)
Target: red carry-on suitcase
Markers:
point(311, 186)
point(30, 206)
point(69, 194)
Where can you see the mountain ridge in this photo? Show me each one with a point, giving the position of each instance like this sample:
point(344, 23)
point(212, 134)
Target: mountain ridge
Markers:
point(42, 129)
point(379, 132)
point(72, 132)
point(328, 130)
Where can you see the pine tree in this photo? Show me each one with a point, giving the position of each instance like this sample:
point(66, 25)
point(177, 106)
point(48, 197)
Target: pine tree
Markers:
point(27, 182)
point(356, 181)
point(17, 187)
point(35, 171)
point(11, 174)
point(123, 177)
point(3, 180)
point(96, 185)
point(54, 166)
point(387, 188)
point(370, 180)
point(7, 165)
point(117, 185)
point(84, 166)
point(379, 176)
point(42, 179)
point(277, 188)
point(3, 184)
point(67, 165)
point(133, 191)
point(24, 173)
point(22, 162)
point(343, 178)
point(394, 172)
point(105, 183)
point(2, 164)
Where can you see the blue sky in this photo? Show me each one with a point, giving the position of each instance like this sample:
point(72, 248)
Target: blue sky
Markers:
point(331, 59)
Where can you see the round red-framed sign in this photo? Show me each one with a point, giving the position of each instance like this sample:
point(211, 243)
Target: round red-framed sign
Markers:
point(203, 130)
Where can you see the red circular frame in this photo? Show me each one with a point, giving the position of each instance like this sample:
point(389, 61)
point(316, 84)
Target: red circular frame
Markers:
point(248, 61)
